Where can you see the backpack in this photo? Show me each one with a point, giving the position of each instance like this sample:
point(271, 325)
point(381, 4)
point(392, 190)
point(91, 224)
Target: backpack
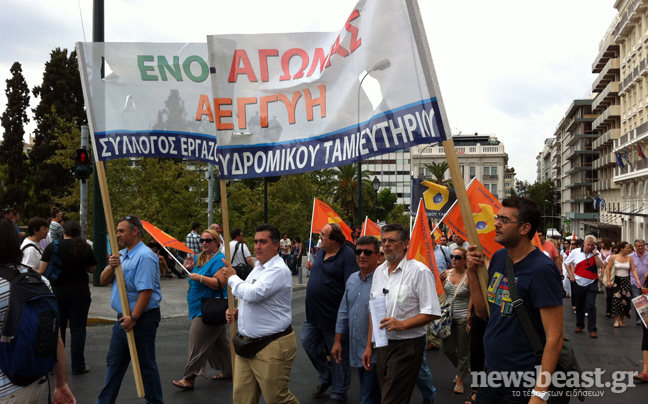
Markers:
point(29, 339)
point(55, 266)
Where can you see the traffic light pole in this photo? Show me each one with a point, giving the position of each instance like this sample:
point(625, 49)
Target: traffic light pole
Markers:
point(83, 209)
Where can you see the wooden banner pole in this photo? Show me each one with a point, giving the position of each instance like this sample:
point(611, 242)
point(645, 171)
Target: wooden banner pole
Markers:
point(226, 231)
point(119, 275)
point(423, 47)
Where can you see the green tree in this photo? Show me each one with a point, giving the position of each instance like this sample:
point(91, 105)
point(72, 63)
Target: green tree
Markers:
point(11, 150)
point(438, 171)
point(344, 191)
point(522, 187)
point(386, 203)
point(61, 100)
point(544, 195)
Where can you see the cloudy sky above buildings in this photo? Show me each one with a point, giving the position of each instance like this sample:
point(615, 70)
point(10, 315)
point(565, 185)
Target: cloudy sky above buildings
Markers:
point(506, 67)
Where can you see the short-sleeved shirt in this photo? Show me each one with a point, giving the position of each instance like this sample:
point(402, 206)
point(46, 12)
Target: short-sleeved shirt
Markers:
point(538, 283)
point(73, 283)
point(285, 243)
point(55, 231)
point(575, 257)
point(442, 256)
point(32, 254)
point(141, 272)
point(410, 286)
point(326, 286)
point(550, 248)
point(193, 242)
point(641, 264)
point(239, 258)
point(199, 290)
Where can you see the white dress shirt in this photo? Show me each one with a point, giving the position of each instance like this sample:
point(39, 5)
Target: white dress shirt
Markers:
point(266, 298)
point(412, 291)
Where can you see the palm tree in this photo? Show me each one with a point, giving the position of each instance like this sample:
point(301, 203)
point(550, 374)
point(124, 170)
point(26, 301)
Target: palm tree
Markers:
point(344, 190)
point(438, 172)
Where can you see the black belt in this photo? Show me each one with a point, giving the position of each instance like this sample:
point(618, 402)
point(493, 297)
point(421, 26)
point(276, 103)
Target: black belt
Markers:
point(273, 336)
point(120, 315)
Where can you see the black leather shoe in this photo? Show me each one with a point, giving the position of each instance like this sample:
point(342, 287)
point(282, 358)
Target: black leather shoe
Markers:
point(321, 389)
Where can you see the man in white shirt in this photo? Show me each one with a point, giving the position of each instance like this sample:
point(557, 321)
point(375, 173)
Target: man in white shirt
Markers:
point(406, 286)
point(583, 265)
point(264, 312)
point(37, 228)
point(240, 255)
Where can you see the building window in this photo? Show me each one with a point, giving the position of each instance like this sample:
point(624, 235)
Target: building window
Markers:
point(486, 170)
point(472, 172)
point(493, 170)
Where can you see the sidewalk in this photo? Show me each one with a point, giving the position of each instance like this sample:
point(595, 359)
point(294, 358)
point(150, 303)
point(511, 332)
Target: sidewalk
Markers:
point(173, 304)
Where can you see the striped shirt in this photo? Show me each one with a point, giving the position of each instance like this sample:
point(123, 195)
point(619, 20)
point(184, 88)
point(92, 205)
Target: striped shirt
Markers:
point(460, 306)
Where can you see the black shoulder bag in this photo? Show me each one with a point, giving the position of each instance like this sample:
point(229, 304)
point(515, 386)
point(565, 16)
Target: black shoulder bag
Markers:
point(243, 269)
point(566, 360)
point(214, 308)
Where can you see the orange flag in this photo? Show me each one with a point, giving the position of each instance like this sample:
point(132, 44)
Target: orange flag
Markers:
point(164, 239)
point(370, 228)
point(536, 242)
point(323, 215)
point(484, 208)
point(437, 234)
point(421, 247)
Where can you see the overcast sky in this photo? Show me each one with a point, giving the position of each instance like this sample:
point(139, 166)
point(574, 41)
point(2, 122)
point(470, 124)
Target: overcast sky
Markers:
point(505, 67)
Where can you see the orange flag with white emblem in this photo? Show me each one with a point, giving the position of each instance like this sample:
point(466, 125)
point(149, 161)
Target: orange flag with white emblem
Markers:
point(369, 228)
point(437, 234)
point(421, 247)
point(323, 215)
point(484, 208)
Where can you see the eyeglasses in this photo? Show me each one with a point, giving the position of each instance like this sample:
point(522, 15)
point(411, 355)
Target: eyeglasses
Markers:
point(389, 240)
point(367, 253)
point(457, 257)
point(324, 235)
point(206, 240)
point(573, 243)
point(504, 220)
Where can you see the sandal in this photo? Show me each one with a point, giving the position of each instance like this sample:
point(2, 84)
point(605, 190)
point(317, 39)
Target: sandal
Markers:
point(472, 398)
point(459, 389)
point(221, 376)
point(616, 325)
point(183, 385)
point(641, 377)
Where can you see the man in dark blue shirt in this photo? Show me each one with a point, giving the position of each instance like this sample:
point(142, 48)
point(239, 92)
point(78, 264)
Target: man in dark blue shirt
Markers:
point(329, 273)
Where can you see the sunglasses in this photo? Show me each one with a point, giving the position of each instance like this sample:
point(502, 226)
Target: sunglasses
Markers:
point(206, 240)
point(456, 257)
point(573, 244)
point(367, 253)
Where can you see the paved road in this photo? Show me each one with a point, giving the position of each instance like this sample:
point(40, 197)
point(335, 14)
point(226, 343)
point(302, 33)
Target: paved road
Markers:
point(614, 350)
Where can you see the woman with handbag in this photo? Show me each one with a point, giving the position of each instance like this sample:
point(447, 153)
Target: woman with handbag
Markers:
point(207, 342)
point(456, 346)
point(619, 281)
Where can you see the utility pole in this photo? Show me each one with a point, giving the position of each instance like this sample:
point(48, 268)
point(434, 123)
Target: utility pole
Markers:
point(83, 213)
point(99, 231)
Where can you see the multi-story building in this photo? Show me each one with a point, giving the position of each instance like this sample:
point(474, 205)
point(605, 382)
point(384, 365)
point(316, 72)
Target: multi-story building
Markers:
point(393, 170)
point(544, 161)
point(573, 169)
point(509, 181)
point(627, 206)
point(480, 156)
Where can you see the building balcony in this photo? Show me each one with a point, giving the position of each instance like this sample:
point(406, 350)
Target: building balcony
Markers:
point(639, 168)
point(606, 138)
point(582, 216)
point(612, 113)
point(572, 126)
point(490, 177)
point(625, 24)
point(630, 80)
point(611, 72)
point(587, 166)
point(578, 136)
point(609, 49)
point(606, 97)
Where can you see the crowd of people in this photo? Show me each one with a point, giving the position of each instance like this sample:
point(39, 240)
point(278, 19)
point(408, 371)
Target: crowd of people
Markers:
point(368, 306)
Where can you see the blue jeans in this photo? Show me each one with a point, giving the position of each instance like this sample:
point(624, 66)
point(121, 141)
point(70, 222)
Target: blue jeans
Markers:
point(118, 359)
point(76, 311)
point(317, 343)
point(585, 302)
point(369, 388)
point(424, 383)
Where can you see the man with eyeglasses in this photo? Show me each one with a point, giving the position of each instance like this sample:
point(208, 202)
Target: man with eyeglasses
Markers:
point(329, 273)
point(506, 346)
point(406, 285)
point(640, 259)
point(353, 318)
point(142, 278)
point(584, 265)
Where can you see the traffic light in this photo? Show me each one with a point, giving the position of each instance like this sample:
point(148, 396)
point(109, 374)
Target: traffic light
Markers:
point(82, 164)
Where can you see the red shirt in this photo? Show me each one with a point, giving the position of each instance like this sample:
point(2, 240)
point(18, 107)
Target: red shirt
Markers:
point(550, 248)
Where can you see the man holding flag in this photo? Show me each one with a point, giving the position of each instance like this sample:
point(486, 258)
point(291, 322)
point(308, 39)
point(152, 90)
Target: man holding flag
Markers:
point(406, 285)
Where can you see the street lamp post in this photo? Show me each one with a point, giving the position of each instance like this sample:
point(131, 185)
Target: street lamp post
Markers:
point(382, 65)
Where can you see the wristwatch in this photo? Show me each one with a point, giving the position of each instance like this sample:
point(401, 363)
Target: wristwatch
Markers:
point(134, 319)
point(544, 395)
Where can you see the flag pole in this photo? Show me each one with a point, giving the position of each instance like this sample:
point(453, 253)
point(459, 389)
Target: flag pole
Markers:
point(230, 297)
point(310, 235)
point(364, 226)
point(119, 273)
point(448, 145)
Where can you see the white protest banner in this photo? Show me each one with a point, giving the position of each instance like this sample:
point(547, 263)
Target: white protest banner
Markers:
point(146, 104)
point(289, 103)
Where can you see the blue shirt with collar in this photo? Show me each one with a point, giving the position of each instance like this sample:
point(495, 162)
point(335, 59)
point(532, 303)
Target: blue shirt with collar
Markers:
point(442, 255)
point(141, 272)
point(353, 317)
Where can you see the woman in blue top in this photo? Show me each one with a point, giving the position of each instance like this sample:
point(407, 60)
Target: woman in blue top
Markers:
point(206, 342)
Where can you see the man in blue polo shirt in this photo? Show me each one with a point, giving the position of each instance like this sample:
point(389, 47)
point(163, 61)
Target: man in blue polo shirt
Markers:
point(329, 273)
point(142, 278)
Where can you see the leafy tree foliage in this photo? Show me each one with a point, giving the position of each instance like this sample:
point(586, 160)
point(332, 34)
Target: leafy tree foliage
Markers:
point(544, 195)
point(438, 171)
point(61, 100)
point(522, 188)
point(344, 190)
point(11, 150)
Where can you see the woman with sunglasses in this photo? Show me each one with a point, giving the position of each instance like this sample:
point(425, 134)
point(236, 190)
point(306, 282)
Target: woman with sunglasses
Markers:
point(206, 342)
point(457, 345)
point(619, 281)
